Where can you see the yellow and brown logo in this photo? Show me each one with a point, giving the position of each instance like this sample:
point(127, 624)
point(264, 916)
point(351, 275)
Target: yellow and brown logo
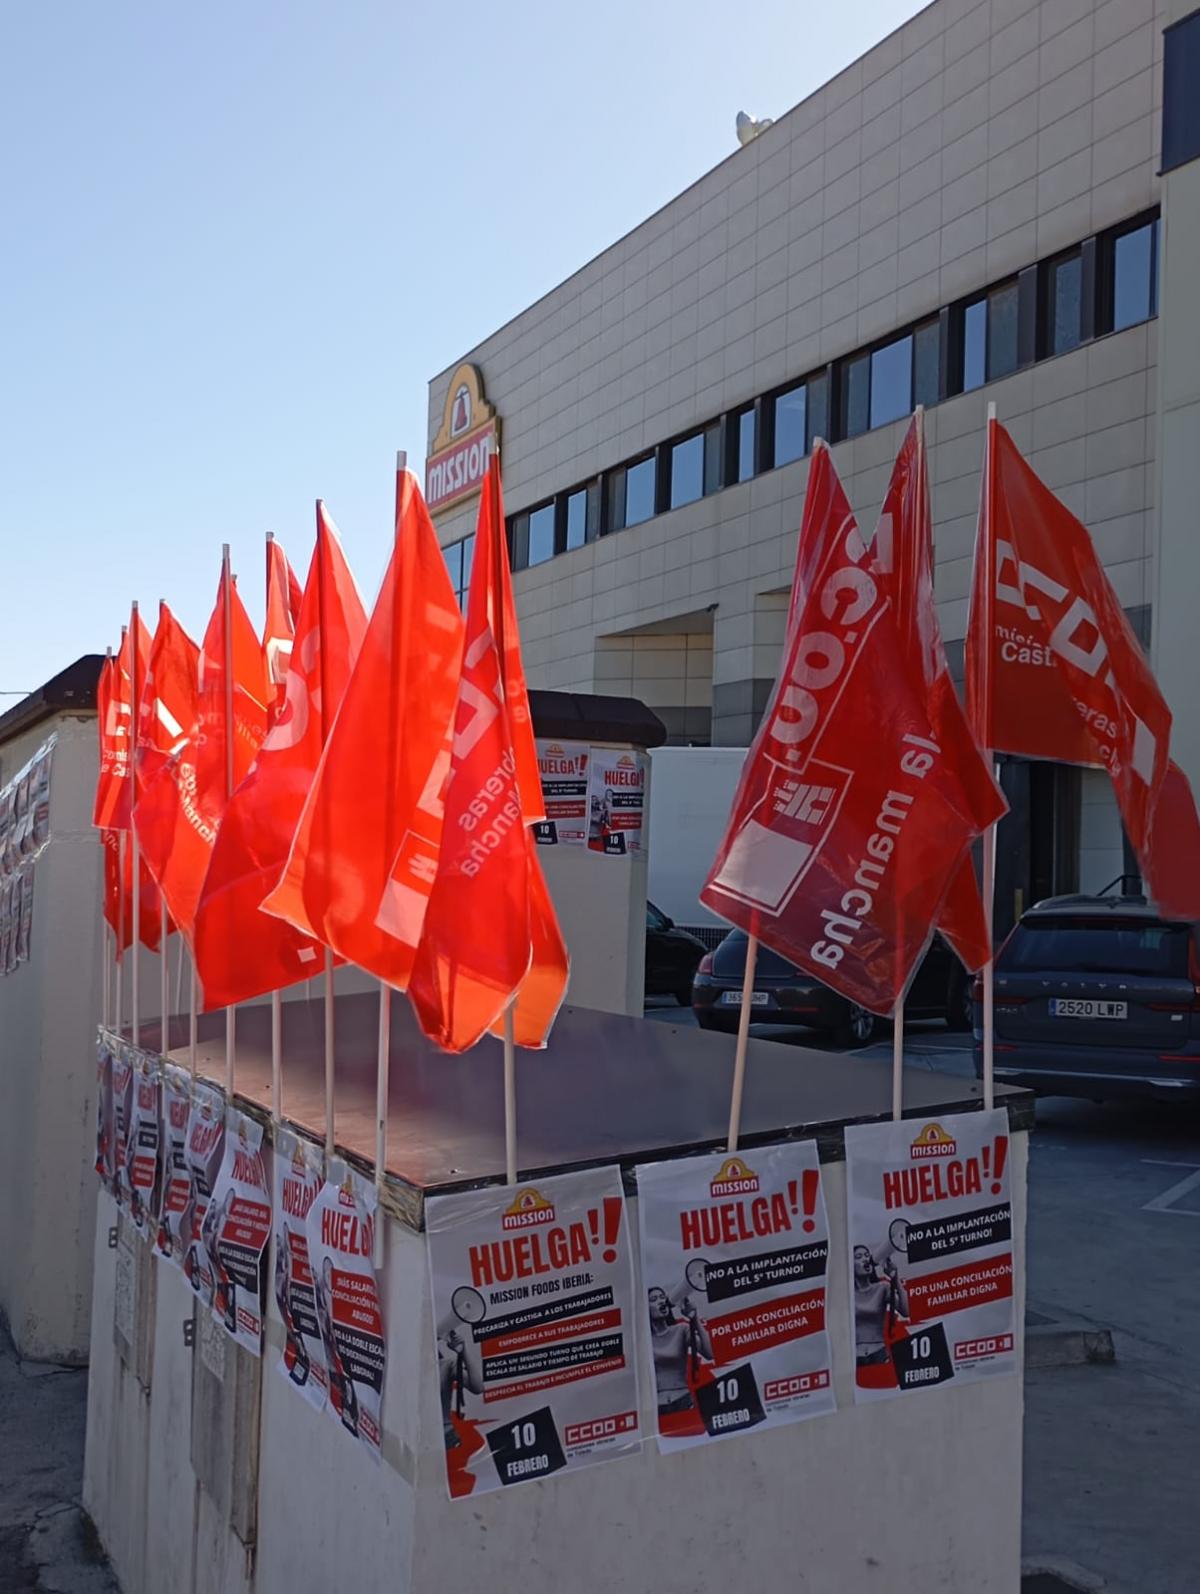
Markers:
point(933, 1141)
point(529, 1210)
point(465, 441)
point(733, 1177)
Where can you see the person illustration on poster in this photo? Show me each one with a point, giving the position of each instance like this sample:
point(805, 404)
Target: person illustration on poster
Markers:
point(681, 1347)
point(602, 820)
point(881, 1306)
point(224, 1296)
point(460, 1372)
point(341, 1385)
point(295, 1354)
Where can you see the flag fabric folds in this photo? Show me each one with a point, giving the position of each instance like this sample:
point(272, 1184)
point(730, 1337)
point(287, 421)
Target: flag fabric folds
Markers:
point(374, 807)
point(850, 819)
point(491, 937)
point(242, 952)
point(904, 554)
point(1054, 670)
point(279, 627)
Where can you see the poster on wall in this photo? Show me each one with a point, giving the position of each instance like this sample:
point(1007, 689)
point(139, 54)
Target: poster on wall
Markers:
point(341, 1231)
point(122, 1095)
point(235, 1230)
point(564, 771)
point(175, 1206)
point(24, 919)
point(533, 1326)
point(616, 802)
point(735, 1252)
point(931, 1262)
point(299, 1176)
point(106, 1164)
point(144, 1136)
point(205, 1144)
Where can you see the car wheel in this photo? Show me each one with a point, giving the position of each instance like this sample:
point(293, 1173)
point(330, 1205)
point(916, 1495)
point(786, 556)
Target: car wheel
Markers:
point(856, 1028)
point(960, 1014)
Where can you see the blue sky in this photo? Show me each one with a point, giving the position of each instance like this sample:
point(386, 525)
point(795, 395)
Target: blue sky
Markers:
point(240, 238)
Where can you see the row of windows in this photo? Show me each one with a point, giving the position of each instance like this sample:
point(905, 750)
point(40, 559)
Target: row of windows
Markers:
point(1103, 285)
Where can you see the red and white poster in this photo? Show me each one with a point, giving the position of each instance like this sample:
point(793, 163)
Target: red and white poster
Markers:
point(299, 1176)
point(735, 1252)
point(142, 1152)
point(175, 1206)
point(106, 1145)
point(564, 770)
point(122, 1096)
point(236, 1229)
point(617, 802)
point(205, 1144)
point(533, 1325)
point(931, 1259)
point(341, 1232)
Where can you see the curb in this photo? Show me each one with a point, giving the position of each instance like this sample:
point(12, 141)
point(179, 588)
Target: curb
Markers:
point(1068, 1347)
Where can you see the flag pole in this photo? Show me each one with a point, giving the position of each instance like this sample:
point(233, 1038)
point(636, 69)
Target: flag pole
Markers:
point(277, 1055)
point(510, 1098)
point(227, 604)
point(898, 1060)
point(193, 1026)
point(117, 981)
point(989, 835)
point(381, 1111)
point(329, 995)
point(743, 1039)
point(106, 990)
point(164, 979)
point(135, 1017)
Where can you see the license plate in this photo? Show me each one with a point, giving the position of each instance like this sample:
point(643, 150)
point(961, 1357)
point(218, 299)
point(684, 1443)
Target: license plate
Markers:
point(1078, 1007)
point(734, 998)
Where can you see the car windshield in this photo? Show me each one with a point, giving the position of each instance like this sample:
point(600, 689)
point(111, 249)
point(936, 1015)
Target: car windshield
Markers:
point(1098, 946)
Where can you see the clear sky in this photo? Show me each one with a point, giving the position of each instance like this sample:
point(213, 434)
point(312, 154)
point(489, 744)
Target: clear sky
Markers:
point(239, 238)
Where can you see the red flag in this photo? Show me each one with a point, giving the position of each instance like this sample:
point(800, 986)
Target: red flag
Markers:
point(283, 610)
point(850, 820)
point(1054, 669)
point(491, 936)
point(114, 705)
point(376, 796)
point(904, 554)
point(241, 951)
point(167, 711)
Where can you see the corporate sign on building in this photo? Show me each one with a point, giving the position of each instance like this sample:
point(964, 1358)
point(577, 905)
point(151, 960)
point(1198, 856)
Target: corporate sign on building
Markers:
point(469, 432)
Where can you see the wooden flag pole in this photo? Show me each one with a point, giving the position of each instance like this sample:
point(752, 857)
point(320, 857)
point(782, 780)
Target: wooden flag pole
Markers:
point(277, 1055)
point(743, 1039)
point(135, 1017)
point(329, 999)
point(227, 604)
point(898, 1060)
point(381, 1112)
point(510, 1098)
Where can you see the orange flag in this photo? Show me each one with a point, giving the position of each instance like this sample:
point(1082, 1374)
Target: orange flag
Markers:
point(241, 951)
point(376, 796)
point(491, 936)
point(283, 610)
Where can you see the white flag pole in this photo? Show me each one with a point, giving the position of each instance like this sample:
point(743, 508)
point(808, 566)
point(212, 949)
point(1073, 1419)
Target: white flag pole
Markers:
point(164, 981)
point(381, 1112)
point(329, 999)
point(743, 1039)
point(117, 981)
point(227, 604)
point(193, 1024)
point(277, 1055)
point(135, 1017)
point(510, 1098)
point(989, 835)
point(106, 973)
point(898, 1060)
point(179, 977)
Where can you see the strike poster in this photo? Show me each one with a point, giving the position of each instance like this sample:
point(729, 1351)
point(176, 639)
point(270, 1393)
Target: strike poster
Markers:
point(931, 1265)
point(735, 1252)
point(341, 1232)
point(205, 1143)
point(122, 1096)
point(533, 1327)
point(106, 1165)
point(175, 1207)
point(564, 771)
point(616, 802)
point(298, 1181)
point(235, 1230)
point(142, 1153)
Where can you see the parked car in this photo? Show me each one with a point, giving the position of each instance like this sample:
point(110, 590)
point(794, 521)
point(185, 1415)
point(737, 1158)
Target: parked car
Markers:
point(671, 957)
point(1097, 996)
point(784, 994)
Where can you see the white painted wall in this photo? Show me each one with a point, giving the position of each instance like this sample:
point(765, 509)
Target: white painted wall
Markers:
point(1101, 851)
point(693, 794)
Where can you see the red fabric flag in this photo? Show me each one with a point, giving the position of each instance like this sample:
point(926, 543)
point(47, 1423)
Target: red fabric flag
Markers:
point(491, 936)
point(241, 951)
point(376, 796)
point(850, 820)
point(1054, 670)
point(115, 693)
point(283, 611)
point(167, 711)
point(904, 553)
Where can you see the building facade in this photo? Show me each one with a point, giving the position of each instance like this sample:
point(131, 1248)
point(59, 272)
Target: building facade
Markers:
point(972, 212)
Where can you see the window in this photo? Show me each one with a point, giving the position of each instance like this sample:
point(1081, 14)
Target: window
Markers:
point(974, 345)
point(1135, 276)
point(1181, 104)
point(712, 459)
point(1002, 331)
point(541, 534)
point(459, 557)
point(468, 559)
point(1064, 304)
point(453, 553)
point(927, 363)
point(891, 381)
point(1099, 946)
point(791, 432)
point(745, 433)
point(581, 516)
point(639, 491)
point(818, 408)
point(687, 471)
point(856, 392)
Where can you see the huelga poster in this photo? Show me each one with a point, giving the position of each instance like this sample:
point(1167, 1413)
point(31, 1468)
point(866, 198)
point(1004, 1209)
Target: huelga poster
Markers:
point(106, 1146)
point(142, 1153)
point(299, 1176)
point(236, 1229)
point(175, 1207)
point(616, 801)
point(122, 1095)
point(205, 1143)
point(735, 1252)
point(533, 1323)
point(341, 1231)
point(563, 767)
point(931, 1259)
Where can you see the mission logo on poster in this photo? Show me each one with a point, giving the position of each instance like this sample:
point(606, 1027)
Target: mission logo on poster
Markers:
point(563, 767)
point(931, 1261)
point(532, 1301)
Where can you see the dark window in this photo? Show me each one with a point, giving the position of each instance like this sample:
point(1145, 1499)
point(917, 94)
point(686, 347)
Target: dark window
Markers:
point(818, 408)
point(974, 345)
point(578, 505)
point(856, 394)
point(656, 919)
point(791, 410)
point(891, 381)
point(1001, 331)
point(744, 446)
point(687, 471)
point(1181, 103)
point(541, 534)
point(468, 559)
point(615, 506)
point(639, 491)
point(1098, 946)
point(1134, 269)
point(518, 542)
point(927, 357)
point(1064, 299)
point(453, 553)
point(712, 459)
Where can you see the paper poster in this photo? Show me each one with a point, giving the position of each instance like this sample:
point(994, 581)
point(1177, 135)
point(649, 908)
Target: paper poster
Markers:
point(205, 1144)
point(534, 1330)
point(41, 793)
point(235, 1230)
point(341, 1230)
point(106, 1147)
point(735, 1252)
point(175, 1207)
point(564, 771)
point(616, 801)
point(23, 925)
point(299, 1176)
point(122, 1095)
point(144, 1132)
point(931, 1264)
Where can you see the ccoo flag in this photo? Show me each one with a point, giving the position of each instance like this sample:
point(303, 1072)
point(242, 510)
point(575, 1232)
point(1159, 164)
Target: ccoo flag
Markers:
point(242, 952)
point(850, 820)
point(1054, 670)
point(282, 611)
point(491, 937)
